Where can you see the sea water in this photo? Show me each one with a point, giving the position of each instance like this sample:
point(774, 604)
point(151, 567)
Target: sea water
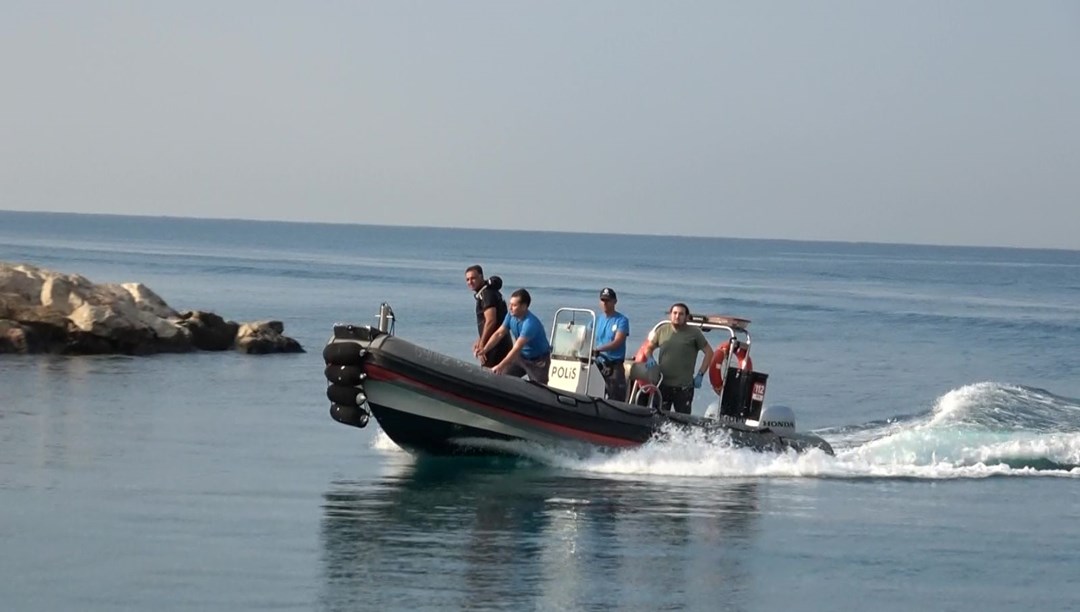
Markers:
point(945, 377)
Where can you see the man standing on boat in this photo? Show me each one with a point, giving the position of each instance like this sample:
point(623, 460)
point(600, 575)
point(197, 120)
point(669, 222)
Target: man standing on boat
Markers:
point(490, 312)
point(612, 329)
point(679, 345)
point(531, 349)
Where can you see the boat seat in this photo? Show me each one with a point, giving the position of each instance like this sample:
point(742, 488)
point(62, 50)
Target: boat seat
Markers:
point(643, 384)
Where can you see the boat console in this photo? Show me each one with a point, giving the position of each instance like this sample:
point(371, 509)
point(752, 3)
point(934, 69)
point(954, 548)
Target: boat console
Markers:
point(573, 335)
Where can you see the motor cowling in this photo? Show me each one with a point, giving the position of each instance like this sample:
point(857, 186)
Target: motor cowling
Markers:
point(779, 419)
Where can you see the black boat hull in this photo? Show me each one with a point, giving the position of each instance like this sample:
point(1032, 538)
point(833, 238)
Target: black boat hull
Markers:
point(430, 403)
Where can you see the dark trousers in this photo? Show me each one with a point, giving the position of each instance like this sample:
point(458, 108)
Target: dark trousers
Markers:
point(497, 354)
point(537, 369)
point(614, 380)
point(679, 399)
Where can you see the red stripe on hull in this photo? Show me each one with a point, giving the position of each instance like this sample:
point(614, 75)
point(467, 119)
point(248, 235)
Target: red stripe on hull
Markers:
point(382, 374)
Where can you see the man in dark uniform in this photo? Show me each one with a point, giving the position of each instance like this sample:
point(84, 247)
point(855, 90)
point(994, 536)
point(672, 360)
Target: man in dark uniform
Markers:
point(490, 313)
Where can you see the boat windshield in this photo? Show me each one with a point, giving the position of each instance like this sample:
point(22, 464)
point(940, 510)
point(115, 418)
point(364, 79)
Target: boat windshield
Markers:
point(572, 333)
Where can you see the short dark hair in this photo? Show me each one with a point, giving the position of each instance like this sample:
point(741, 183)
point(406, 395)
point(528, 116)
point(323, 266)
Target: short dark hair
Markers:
point(677, 304)
point(475, 268)
point(523, 296)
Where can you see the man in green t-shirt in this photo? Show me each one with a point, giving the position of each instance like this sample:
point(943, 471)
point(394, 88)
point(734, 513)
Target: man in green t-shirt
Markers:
point(679, 345)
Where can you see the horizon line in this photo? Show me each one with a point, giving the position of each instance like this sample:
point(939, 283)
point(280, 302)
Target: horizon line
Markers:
point(532, 231)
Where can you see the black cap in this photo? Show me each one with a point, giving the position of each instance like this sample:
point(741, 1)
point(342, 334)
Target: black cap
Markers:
point(607, 293)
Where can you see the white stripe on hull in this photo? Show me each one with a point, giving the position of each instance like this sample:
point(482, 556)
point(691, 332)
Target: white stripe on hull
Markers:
point(404, 399)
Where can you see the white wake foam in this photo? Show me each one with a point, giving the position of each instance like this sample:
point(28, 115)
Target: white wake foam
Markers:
point(382, 442)
point(675, 457)
point(975, 431)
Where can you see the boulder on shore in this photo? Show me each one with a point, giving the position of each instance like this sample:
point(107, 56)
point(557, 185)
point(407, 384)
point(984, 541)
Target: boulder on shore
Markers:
point(42, 311)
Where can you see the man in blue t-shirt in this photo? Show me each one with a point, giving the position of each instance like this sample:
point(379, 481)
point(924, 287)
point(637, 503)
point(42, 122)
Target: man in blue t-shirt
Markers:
point(531, 349)
point(612, 329)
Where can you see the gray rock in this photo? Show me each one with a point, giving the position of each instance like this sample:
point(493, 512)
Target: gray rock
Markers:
point(263, 337)
point(42, 311)
point(209, 332)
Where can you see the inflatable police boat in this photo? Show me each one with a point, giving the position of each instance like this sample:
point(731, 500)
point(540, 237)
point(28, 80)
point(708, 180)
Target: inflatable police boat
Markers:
point(430, 403)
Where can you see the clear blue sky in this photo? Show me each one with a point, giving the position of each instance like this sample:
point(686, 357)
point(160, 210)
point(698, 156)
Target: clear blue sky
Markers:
point(927, 122)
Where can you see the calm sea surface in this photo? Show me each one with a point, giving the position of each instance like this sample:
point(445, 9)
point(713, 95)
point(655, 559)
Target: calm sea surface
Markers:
point(947, 379)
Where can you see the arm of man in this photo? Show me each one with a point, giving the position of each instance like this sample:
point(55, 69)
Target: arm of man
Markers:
point(490, 325)
point(622, 332)
point(503, 365)
point(650, 350)
point(616, 342)
point(705, 363)
point(491, 341)
point(653, 340)
point(705, 348)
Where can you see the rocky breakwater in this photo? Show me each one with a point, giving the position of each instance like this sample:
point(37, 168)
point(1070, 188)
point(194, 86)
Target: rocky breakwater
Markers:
point(42, 311)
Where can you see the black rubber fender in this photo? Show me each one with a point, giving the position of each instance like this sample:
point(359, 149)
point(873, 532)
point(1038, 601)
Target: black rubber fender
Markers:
point(341, 394)
point(347, 375)
point(350, 415)
point(343, 353)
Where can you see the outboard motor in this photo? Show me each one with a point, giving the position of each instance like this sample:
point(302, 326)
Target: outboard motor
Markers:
point(779, 419)
point(744, 394)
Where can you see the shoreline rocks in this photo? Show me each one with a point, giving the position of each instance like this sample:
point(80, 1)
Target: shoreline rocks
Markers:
point(43, 311)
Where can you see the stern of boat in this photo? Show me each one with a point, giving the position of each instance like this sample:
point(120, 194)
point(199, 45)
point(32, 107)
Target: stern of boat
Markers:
point(344, 354)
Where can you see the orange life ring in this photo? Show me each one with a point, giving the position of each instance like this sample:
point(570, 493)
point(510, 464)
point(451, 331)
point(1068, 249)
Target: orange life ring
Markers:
point(719, 363)
point(642, 354)
point(742, 355)
point(718, 367)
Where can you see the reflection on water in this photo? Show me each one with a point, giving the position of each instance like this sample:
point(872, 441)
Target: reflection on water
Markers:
point(498, 534)
point(54, 415)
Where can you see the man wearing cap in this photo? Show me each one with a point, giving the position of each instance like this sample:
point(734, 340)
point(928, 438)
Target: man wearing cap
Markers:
point(612, 329)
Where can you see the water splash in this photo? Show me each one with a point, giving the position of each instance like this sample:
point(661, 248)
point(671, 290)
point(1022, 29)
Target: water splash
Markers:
point(979, 429)
point(1006, 407)
point(975, 431)
point(382, 442)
